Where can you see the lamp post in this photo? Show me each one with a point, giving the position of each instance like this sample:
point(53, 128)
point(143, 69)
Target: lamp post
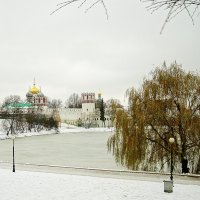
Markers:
point(13, 151)
point(12, 136)
point(171, 141)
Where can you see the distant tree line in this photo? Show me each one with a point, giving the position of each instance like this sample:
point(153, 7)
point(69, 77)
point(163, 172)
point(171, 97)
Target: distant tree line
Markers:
point(29, 123)
point(17, 122)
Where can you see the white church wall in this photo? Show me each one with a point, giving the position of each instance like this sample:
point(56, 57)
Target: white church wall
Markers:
point(88, 108)
point(70, 115)
point(107, 123)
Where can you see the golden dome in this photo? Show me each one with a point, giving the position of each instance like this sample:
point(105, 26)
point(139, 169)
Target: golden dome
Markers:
point(99, 95)
point(34, 90)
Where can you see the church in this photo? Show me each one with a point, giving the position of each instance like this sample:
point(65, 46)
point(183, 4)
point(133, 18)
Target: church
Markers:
point(87, 116)
point(36, 97)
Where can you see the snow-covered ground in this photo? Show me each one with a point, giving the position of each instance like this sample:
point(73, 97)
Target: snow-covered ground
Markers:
point(65, 128)
point(23, 185)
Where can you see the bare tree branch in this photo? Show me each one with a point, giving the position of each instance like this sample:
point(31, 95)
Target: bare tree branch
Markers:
point(175, 7)
point(105, 8)
point(92, 5)
point(63, 4)
point(82, 2)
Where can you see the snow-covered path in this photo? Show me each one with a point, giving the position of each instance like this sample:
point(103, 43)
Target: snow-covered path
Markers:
point(24, 185)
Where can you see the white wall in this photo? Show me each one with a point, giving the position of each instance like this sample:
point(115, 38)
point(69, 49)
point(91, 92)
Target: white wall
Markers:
point(70, 114)
point(88, 108)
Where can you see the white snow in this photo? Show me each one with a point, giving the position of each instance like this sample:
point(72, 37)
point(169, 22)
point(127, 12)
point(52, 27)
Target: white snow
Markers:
point(63, 129)
point(73, 129)
point(23, 185)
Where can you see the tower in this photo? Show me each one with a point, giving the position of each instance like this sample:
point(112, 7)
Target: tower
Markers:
point(99, 95)
point(88, 108)
point(35, 96)
point(88, 102)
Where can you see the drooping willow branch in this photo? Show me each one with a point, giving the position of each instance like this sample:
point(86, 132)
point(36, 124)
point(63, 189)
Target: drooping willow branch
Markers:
point(81, 3)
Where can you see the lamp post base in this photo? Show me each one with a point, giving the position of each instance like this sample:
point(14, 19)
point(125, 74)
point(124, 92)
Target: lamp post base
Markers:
point(168, 186)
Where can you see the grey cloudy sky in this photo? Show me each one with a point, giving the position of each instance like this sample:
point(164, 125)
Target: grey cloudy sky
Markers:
point(71, 51)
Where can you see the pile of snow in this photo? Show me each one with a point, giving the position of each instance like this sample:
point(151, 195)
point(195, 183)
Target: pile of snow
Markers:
point(64, 128)
point(23, 185)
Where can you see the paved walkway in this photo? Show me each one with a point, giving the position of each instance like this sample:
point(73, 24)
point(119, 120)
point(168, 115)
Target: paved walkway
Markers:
point(189, 179)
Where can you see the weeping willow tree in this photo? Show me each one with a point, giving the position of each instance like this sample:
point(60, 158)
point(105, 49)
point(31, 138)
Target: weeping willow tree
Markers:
point(167, 105)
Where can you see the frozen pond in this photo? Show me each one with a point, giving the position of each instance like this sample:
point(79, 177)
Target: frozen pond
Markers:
point(87, 149)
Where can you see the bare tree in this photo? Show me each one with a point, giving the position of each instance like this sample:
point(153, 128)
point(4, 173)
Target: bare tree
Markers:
point(12, 124)
point(174, 7)
point(12, 99)
point(111, 106)
point(74, 101)
point(55, 104)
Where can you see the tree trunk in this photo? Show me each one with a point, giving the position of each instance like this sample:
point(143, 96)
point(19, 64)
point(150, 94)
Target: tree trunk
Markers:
point(198, 167)
point(184, 159)
point(185, 168)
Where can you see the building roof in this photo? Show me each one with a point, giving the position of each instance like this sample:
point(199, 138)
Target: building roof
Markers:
point(19, 105)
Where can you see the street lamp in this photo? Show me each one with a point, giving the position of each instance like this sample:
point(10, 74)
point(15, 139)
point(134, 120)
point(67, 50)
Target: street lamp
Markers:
point(171, 141)
point(13, 139)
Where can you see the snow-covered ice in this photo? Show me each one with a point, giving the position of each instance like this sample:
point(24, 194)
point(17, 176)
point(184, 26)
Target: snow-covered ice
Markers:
point(23, 185)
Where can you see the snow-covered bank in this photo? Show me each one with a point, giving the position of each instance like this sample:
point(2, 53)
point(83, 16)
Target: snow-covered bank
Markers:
point(63, 129)
point(74, 129)
point(46, 186)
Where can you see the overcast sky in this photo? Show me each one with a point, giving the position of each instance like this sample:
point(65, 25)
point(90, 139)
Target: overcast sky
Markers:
point(71, 51)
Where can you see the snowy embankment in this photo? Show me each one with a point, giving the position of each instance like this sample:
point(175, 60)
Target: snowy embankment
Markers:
point(63, 129)
point(46, 186)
